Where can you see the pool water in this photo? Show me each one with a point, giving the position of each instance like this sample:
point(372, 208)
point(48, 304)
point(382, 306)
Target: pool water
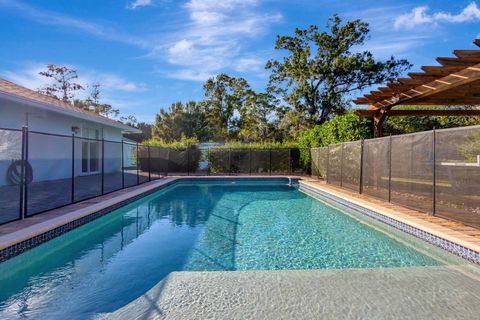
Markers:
point(192, 226)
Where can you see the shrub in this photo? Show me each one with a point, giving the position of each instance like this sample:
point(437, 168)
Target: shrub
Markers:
point(343, 128)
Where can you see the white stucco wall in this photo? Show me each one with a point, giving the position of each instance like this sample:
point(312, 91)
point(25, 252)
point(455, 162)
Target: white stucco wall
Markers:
point(50, 156)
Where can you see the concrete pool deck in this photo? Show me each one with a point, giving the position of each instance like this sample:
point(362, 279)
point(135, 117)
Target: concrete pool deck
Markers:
point(18, 231)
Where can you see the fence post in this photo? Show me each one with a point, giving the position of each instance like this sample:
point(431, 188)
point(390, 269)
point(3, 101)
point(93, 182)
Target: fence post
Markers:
point(250, 161)
point(103, 165)
point(188, 159)
point(434, 173)
point(390, 169)
point(209, 161)
point(149, 163)
point(360, 188)
point(22, 205)
point(270, 161)
point(328, 164)
point(229, 161)
point(167, 167)
point(138, 161)
point(73, 169)
point(123, 169)
point(341, 166)
point(290, 161)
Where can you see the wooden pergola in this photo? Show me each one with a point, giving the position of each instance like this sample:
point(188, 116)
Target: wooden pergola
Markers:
point(456, 82)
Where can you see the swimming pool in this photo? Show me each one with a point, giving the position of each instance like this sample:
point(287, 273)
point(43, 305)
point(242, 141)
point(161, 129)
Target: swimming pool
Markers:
point(208, 225)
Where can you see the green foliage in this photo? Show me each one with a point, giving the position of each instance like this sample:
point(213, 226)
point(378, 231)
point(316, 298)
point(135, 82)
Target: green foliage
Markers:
point(321, 69)
point(182, 120)
point(254, 123)
point(181, 144)
point(224, 95)
point(344, 128)
point(257, 145)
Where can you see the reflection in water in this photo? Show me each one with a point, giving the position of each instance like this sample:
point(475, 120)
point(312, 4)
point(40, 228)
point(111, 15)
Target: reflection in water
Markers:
point(111, 261)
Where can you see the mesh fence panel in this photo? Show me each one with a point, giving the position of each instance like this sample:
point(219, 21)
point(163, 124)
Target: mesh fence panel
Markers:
point(458, 174)
point(296, 165)
point(351, 165)
point(112, 166)
point(197, 160)
point(412, 171)
point(129, 164)
point(315, 160)
point(10, 174)
point(240, 161)
point(376, 167)
point(88, 174)
point(335, 164)
point(260, 161)
point(158, 162)
point(143, 164)
point(322, 162)
point(280, 161)
point(51, 160)
point(177, 162)
point(220, 161)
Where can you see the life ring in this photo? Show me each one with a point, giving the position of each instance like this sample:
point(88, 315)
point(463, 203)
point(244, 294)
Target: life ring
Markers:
point(14, 172)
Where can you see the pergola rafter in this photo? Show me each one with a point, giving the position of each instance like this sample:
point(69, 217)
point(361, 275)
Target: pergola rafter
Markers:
point(456, 82)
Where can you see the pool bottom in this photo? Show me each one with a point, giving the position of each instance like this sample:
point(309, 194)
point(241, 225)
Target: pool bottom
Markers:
point(436, 241)
point(392, 293)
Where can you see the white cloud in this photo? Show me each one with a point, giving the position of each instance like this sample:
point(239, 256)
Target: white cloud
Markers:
point(139, 3)
point(420, 16)
point(29, 77)
point(214, 37)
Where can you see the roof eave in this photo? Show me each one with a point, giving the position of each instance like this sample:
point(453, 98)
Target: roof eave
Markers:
point(48, 107)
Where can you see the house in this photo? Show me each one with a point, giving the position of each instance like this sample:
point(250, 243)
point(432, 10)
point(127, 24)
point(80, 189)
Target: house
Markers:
point(51, 124)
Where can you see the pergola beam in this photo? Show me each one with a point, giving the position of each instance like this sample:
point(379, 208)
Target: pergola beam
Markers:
point(455, 82)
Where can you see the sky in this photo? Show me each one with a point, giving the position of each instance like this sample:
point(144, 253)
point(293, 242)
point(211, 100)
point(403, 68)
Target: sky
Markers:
point(147, 54)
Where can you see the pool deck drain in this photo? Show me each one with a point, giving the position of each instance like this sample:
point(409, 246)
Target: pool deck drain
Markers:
point(396, 293)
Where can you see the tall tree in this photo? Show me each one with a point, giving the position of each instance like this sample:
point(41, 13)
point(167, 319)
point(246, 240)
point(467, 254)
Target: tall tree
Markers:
point(188, 120)
point(256, 114)
point(64, 86)
point(225, 94)
point(322, 69)
point(92, 103)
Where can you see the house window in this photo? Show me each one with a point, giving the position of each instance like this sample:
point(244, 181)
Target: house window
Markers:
point(90, 151)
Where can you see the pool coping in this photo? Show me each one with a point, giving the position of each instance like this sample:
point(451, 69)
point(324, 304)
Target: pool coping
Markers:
point(23, 239)
point(450, 240)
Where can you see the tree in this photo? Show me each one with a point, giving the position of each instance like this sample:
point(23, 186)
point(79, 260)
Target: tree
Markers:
point(189, 120)
point(146, 129)
point(63, 87)
point(255, 117)
point(224, 95)
point(322, 69)
point(290, 123)
point(92, 103)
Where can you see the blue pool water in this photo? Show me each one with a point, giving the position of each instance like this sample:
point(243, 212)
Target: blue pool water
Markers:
point(191, 226)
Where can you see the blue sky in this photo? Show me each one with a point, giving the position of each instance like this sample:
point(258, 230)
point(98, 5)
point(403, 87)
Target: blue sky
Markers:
point(150, 53)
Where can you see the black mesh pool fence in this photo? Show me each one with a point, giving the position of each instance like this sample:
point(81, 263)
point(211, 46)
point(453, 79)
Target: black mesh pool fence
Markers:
point(436, 172)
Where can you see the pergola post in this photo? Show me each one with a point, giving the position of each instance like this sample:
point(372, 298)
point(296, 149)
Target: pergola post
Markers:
point(378, 118)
